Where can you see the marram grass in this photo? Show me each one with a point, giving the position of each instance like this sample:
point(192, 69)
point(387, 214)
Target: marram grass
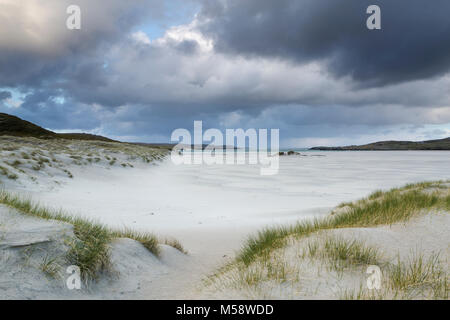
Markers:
point(90, 249)
point(261, 260)
point(379, 208)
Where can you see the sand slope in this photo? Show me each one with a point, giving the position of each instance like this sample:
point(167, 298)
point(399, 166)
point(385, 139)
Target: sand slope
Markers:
point(314, 278)
point(27, 243)
point(210, 209)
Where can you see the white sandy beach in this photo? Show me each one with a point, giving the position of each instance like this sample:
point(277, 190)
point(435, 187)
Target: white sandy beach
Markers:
point(192, 201)
point(341, 112)
point(212, 209)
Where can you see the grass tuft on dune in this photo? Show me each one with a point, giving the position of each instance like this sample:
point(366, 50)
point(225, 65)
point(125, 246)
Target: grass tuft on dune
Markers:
point(379, 208)
point(265, 258)
point(24, 158)
point(90, 250)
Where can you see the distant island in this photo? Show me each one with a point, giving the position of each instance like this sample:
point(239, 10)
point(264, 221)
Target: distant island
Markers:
point(440, 144)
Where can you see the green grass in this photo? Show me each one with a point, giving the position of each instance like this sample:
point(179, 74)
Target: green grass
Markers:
point(90, 250)
point(416, 277)
point(13, 176)
point(175, 244)
point(148, 240)
point(32, 155)
point(15, 163)
point(263, 243)
point(266, 261)
point(380, 208)
point(4, 171)
point(341, 252)
point(419, 275)
point(69, 174)
point(50, 266)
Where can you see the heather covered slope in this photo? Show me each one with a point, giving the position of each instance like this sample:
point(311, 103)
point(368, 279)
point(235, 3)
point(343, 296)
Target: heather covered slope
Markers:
point(14, 126)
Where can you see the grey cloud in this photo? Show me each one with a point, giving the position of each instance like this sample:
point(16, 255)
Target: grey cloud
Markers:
point(5, 95)
point(44, 108)
point(187, 46)
point(105, 81)
point(32, 58)
point(413, 43)
point(210, 82)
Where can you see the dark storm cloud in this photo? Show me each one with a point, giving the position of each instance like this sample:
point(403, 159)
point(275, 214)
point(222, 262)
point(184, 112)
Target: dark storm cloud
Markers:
point(413, 43)
point(49, 110)
point(268, 66)
point(5, 95)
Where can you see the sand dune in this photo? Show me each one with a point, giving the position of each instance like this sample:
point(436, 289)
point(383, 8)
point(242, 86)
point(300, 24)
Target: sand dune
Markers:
point(212, 209)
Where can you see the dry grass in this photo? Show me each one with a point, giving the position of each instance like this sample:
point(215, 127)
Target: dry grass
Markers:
point(175, 244)
point(26, 157)
point(90, 249)
point(380, 208)
point(262, 259)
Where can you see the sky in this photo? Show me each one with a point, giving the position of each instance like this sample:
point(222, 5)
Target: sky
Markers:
point(139, 69)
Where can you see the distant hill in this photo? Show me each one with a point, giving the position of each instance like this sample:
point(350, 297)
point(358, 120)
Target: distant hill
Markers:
point(14, 126)
point(441, 144)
